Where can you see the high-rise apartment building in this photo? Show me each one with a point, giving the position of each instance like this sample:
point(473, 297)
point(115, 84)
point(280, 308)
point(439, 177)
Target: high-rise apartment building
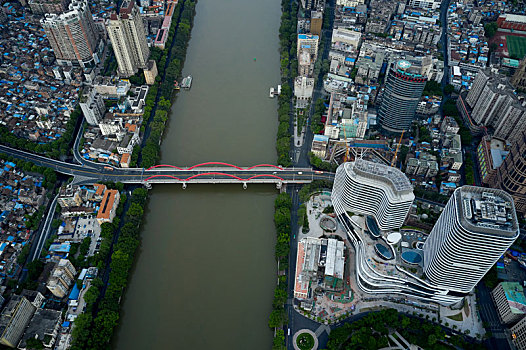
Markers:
point(491, 152)
point(402, 93)
point(481, 79)
point(474, 230)
point(14, 320)
point(72, 35)
point(93, 107)
point(128, 39)
point(495, 104)
point(510, 301)
point(518, 334)
point(511, 122)
point(378, 190)
point(511, 175)
point(518, 80)
point(40, 7)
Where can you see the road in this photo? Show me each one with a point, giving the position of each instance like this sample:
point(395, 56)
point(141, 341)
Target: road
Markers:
point(301, 159)
point(488, 314)
point(43, 234)
point(443, 41)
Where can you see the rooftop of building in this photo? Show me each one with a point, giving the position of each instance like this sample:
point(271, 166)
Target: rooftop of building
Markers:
point(316, 14)
point(335, 258)
point(514, 18)
point(43, 323)
point(308, 36)
point(394, 176)
point(514, 293)
point(406, 67)
point(107, 204)
point(487, 210)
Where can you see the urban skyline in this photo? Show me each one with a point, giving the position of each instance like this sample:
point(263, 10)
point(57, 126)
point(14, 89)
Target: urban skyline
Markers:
point(399, 177)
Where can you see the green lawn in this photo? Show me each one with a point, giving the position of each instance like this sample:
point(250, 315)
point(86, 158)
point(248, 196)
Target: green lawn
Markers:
point(456, 317)
point(516, 46)
point(305, 341)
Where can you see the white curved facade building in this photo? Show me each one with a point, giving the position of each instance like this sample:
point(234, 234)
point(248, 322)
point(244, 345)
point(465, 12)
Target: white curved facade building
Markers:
point(380, 191)
point(474, 230)
point(384, 193)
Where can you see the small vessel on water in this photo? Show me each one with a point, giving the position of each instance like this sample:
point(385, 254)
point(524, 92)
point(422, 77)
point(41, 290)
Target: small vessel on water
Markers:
point(274, 93)
point(187, 82)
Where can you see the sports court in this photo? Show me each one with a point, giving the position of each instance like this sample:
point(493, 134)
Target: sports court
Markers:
point(516, 46)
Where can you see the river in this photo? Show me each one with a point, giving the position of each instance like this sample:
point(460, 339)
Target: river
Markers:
point(205, 273)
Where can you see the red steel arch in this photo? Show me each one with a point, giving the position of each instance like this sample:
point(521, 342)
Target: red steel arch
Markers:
point(164, 165)
point(215, 163)
point(215, 173)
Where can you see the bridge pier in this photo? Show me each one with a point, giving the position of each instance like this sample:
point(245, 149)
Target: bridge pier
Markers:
point(148, 185)
point(184, 185)
point(245, 185)
point(278, 185)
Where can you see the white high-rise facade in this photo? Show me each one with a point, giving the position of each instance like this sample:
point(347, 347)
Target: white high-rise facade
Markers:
point(474, 230)
point(128, 39)
point(378, 190)
point(92, 106)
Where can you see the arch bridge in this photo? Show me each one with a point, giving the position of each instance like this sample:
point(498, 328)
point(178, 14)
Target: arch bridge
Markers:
point(209, 172)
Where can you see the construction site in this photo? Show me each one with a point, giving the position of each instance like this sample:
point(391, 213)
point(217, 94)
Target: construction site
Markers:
point(344, 135)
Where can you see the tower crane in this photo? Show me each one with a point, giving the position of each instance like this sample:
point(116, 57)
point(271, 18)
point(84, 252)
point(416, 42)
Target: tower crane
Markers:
point(393, 162)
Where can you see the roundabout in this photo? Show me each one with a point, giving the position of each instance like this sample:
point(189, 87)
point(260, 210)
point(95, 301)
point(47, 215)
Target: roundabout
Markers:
point(305, 339)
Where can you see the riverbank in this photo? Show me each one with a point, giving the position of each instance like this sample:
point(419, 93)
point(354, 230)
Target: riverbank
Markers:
point(283, 204)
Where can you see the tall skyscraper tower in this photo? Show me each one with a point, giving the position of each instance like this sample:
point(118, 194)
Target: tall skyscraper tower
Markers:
point(474, 230)
point(128, 38)
point(402, 93)
point(72, 35)
point(511, 175)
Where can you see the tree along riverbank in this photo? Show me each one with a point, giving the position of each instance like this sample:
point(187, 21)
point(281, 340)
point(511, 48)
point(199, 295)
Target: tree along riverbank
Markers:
point(283, 203)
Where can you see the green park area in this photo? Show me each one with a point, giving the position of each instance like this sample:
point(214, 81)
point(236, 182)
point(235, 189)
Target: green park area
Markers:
point(516, 46)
